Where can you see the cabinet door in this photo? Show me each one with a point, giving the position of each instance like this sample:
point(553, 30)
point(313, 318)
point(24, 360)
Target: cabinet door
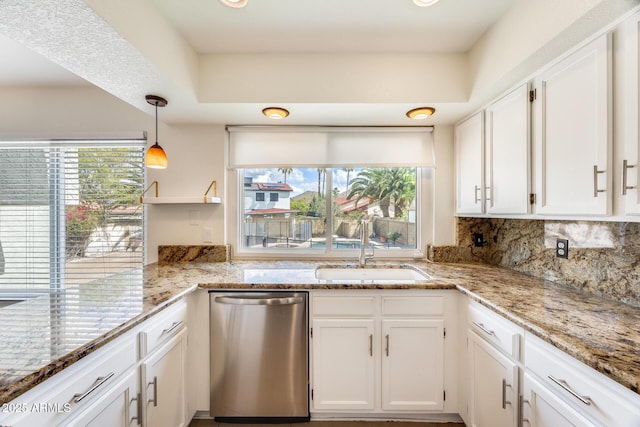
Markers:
point(572, 133)
point(542, 408)
point(119, 407)
point(163, 375)
point(507, 154)
point(412, 364)
point(470, 165)
point(493, 389)
point(631, 161)
point(343, 364)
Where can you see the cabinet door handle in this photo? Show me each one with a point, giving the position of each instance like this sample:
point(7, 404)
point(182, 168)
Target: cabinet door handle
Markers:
point(505, 402)
point(488, 194)
point(625, 167)
point(79, 397)
point(475, 194)
point(484, 328)
point(138, 400)
point(171, 328)
point(387, 346)
point(565, 386)
point(521, 418)
point(596, 190)
point(371, 345)
point(154, 383)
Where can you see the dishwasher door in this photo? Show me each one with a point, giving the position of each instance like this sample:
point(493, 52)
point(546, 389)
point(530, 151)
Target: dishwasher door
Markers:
point(259, 356)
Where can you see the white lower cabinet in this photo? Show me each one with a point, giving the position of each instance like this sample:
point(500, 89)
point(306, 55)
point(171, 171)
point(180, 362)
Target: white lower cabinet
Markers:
point(541, 407)
point(343, 364)
point(493, 367)
point(378, 352)
point(120, 406)
point(493, 385)
point(560, 390)
point(412, 364)
point(163, 379)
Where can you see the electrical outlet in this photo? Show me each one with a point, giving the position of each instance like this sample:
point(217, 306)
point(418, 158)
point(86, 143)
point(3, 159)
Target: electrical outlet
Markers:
point(478, 240)
point(562, 248)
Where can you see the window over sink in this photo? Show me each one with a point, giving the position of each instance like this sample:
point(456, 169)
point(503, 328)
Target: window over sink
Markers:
point(323, 183)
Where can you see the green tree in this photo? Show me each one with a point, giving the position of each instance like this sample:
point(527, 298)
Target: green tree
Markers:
point(302, 206)
point(385, 186)
point(372, 183)
point(348, 171)
point(285, 172)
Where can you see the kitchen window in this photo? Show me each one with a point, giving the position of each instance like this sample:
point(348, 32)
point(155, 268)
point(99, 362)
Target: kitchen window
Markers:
point(319, 210)
point(70, 214)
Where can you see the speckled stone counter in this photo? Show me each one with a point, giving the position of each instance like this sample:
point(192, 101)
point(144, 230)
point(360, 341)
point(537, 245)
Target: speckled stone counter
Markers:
point(44, 334)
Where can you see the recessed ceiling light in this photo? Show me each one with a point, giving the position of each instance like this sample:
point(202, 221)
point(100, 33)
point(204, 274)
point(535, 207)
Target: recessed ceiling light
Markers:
point(275, 113)
point(420, 113)
point(234, 3)
point(425, 3)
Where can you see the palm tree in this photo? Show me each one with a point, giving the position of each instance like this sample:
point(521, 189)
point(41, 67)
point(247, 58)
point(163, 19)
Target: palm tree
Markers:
point(285, 171)
point(348, 171)
point(402, 184)
point(383, 185)
point(321, 172)
point(372, 183)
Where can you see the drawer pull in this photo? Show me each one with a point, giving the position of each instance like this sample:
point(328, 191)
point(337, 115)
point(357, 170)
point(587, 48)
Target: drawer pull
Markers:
point(171, 328)
point(484, 328)
point(79, 397)
point(562, 383)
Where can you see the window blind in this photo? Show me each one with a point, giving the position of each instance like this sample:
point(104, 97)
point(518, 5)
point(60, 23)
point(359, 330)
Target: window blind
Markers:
point(255, 147)
point(70, 214)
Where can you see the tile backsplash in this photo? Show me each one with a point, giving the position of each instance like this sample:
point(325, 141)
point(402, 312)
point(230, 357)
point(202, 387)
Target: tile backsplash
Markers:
point(603, 257)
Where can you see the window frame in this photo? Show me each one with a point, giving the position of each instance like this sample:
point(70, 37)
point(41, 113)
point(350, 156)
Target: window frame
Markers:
point(234, 212)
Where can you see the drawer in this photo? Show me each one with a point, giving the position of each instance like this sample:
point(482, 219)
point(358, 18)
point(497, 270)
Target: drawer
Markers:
point(69, 392)
point(162, 326)
point(497, 330)
point(343, 306)
point(590, 392)
point(413, 306)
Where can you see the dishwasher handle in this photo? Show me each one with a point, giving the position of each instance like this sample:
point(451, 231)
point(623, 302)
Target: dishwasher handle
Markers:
point(239, 300)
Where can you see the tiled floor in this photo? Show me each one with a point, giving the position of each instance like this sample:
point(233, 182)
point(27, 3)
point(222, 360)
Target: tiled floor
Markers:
point(211, 423)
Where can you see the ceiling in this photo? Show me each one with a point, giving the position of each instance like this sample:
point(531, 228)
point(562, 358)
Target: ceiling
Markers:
point(222, 65)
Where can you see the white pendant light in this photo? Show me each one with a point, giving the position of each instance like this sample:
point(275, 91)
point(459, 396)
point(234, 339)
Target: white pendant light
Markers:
point(234, 3)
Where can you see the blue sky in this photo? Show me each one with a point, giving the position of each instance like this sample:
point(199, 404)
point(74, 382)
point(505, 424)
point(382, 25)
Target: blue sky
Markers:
point(302, 179)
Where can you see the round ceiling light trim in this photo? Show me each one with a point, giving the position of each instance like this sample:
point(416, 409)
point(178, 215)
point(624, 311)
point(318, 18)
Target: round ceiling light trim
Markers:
point(425, 3)
point(234, 3)
point(275, 113)
point(420, 113)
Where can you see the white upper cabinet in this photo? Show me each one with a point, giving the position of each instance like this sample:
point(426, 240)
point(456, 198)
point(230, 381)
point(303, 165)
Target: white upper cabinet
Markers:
point(507, 170)
point(631, 160)
point(572, 133)
point(470, 165)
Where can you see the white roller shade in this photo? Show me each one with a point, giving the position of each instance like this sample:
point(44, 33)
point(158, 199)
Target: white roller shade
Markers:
point(252, 147)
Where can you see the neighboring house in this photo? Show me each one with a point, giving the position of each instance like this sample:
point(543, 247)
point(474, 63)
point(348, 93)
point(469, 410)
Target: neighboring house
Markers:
point(353, 204)
point(267, 198)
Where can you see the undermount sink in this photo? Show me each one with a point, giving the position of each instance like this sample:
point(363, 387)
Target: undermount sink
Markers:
point(402, 273)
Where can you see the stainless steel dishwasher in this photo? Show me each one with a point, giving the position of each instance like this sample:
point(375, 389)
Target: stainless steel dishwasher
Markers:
point(259, 356)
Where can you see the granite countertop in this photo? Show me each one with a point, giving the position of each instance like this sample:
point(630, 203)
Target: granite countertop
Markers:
point(44, 334)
